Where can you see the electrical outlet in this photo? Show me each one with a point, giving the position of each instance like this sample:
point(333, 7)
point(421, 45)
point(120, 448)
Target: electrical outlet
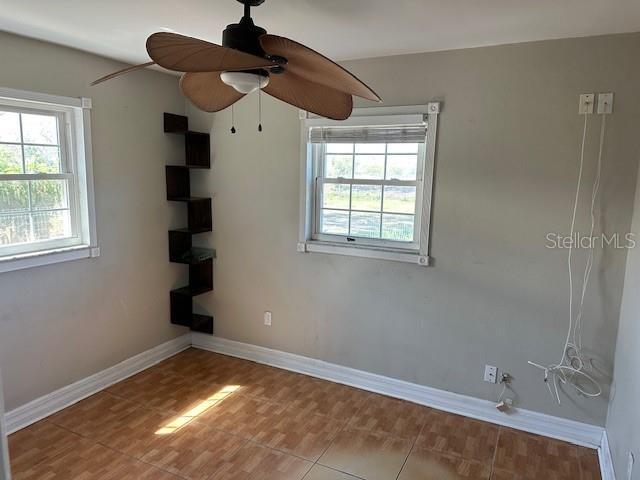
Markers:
point(586, 103)
point(605, 103)
point(630, 463)
point(267, 319)
point(490, 374)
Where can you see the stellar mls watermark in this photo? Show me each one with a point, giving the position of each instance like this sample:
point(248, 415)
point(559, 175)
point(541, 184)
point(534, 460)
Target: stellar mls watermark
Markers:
point(581, 241)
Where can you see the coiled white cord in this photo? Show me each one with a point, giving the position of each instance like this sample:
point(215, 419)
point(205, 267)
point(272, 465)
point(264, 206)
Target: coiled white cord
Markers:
point(572, 365)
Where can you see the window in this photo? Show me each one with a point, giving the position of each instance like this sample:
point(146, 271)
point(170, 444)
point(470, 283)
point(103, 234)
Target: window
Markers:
point(46, 203)
point(367, 185)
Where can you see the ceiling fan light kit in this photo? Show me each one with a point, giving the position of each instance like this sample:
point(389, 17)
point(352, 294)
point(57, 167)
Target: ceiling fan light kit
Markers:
point(249, 59)
point(245, 82)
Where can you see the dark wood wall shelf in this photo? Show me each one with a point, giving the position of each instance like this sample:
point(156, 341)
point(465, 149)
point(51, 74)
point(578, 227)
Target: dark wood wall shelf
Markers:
point(199, 220)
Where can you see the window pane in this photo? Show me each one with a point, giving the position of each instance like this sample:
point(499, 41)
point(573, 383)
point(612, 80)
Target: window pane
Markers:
point(340, 148)
point(366, 197)
point(14, 229)
point(14, 196)
point(49, 194)
point(369, 166)
point(39, 129)
point(50, 225)
point(402, 148)
point(397, 227)
point(42, 159)
point(370, 148)
point(335, 196)
point(10, 159)
point(335, 222)
point(9, 127)
point(400, 199)
point(338, 166)
point(365, 224)
point(402, 167)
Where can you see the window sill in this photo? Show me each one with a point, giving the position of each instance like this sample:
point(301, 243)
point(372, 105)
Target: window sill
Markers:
point(47, 257)
point(364, 252)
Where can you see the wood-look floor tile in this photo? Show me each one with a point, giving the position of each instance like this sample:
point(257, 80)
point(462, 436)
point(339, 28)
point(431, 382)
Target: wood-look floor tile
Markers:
point(92, 416)
point(278, 386)
point(427, 465)
point(74, 457)
point(299, 386)
point(332, 400)
point(296, 432)
point(197, 365)
point(533, 457)
point(140, 431)
point(241, 415)
point(589, 464)
point(226, 371)
point(147, 385)
point(498, 474)
point(373, 456)
point(38, 443)
point(458, 436)
point(255, 462)
point(388, 415)
point(319, 472)
point(195, 451)
point(189, 360)
point(173, 394)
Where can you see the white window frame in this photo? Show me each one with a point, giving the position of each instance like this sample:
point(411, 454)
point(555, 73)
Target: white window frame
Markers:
point(74, 123)
point(412, 252)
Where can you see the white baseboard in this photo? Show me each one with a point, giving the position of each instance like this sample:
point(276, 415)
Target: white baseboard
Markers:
point(48, 404)
point(562, 429)
point(606, 462)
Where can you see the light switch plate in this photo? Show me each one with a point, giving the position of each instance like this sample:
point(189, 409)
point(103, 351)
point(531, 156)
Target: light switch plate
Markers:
point(267, 319)
point(586, 103)
point(605, 103)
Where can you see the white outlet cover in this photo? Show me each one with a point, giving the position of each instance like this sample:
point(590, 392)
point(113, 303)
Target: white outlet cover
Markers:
point(586, 103)
point(490, 374)
point(605, 103)
point(267, 319)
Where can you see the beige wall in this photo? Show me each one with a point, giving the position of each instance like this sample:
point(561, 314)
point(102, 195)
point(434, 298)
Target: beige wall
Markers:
point(505, 176)
point(505, 173)
point(63, 322)
point(623, 422)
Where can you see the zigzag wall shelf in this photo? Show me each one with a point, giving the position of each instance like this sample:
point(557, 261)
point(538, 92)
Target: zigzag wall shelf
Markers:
point(181, 249)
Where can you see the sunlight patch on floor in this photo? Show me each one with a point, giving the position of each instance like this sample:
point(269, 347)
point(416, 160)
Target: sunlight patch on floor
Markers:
point(200, 408)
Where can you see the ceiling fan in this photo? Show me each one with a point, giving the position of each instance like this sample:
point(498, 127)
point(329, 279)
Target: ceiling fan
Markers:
point(249, 59)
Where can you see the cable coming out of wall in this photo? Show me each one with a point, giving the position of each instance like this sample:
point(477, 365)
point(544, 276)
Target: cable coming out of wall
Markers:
point(572, 368)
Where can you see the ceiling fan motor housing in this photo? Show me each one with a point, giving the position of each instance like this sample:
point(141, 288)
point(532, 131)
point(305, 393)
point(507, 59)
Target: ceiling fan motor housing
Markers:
point(244, 36)
point(253, 3)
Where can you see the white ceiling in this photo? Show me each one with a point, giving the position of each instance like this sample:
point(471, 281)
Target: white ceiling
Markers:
point(341, 29)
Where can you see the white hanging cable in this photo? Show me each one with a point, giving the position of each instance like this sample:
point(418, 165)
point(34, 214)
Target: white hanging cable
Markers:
point(571, 367)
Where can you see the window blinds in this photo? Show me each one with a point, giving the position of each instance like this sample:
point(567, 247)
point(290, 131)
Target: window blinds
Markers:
point(369, 134)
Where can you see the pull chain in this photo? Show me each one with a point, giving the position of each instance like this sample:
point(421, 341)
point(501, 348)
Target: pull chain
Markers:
point(259, 107)
point(233, 121)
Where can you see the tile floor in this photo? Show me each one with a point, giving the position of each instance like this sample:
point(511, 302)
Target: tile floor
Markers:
point(203, 416)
